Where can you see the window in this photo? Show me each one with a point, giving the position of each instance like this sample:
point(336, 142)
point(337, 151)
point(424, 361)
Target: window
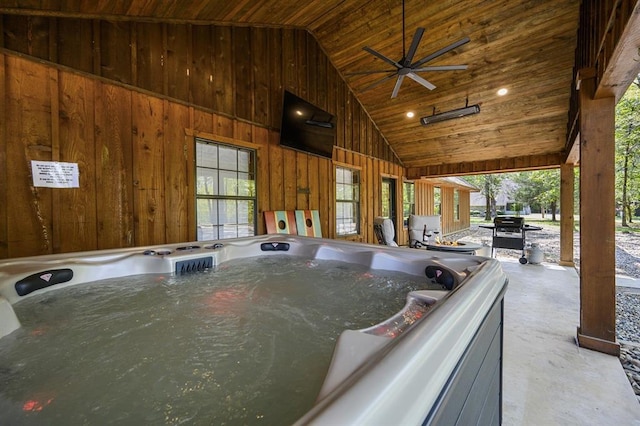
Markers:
point(408, 201)
point(456, 204)
point(225, 191)
point(347, 201)
point(436, 201)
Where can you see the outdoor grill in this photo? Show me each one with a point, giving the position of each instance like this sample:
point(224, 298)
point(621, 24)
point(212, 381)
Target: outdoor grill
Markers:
point(509, 233)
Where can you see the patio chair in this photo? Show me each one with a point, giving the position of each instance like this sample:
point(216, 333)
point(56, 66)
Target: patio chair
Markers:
point(418, 225)
point(384, 231)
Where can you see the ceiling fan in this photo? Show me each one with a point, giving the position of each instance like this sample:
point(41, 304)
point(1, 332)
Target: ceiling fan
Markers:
point(405, 67)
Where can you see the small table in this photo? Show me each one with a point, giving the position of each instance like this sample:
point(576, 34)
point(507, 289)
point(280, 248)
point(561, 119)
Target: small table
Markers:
point(460, 247)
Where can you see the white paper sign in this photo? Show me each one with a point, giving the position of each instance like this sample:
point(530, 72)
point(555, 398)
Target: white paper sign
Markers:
point(54, 174)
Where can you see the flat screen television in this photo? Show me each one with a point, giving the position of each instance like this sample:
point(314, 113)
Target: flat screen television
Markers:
point(306, 127)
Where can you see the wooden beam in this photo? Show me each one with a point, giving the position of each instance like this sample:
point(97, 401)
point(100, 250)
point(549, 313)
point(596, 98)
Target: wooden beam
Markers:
point(597, 328)
point(573, 151)
point(566, 214)
point(624, 61)
point(534, 162)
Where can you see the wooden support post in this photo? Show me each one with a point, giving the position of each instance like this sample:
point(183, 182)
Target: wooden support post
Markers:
point(597, 329)
point(566, 214)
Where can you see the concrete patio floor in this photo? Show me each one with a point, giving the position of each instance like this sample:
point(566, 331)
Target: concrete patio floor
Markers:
point(548, 379)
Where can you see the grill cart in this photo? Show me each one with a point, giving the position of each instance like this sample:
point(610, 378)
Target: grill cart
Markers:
point(510, 233)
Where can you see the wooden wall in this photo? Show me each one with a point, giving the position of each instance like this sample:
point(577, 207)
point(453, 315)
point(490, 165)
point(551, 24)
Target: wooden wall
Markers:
point(239, 72)
point(135, 155)
point(425, 205)
point(132, 134)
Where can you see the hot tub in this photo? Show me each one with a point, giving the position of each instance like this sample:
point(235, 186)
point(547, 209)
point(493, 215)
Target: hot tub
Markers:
point(437, 360)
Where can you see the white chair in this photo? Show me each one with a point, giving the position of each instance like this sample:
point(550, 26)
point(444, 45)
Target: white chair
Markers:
point(418, 225)
point(384, 231)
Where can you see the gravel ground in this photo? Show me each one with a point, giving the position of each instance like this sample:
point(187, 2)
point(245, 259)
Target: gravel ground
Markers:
point(627, 299)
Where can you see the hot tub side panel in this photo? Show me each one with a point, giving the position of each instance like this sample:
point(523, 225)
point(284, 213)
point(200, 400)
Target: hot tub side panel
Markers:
point(473, 394)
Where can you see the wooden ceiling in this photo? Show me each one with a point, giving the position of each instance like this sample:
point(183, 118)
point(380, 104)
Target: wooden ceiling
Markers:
point(525, 46)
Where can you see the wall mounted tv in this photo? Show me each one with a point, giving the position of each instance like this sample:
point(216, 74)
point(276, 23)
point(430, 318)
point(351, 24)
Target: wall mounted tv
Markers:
point(306, 127)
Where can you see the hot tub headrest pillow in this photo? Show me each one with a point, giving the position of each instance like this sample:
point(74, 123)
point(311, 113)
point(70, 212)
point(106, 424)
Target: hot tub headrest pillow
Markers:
point(42, 280)
point(441, 276)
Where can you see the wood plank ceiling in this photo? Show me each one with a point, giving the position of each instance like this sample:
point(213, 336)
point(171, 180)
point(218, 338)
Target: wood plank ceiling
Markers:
point(525, 46)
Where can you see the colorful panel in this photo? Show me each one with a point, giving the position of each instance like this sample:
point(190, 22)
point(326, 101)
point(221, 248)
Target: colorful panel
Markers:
point(280, 222)
point(308, 223)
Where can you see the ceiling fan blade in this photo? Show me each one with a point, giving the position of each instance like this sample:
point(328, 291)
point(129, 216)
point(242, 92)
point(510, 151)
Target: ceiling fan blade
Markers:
point(440, 52)
point(370, 72)
point(371, 86)
point(441, 68)
point(381, 56)
point(414, 46)
point(396, 89)
point(421, 80)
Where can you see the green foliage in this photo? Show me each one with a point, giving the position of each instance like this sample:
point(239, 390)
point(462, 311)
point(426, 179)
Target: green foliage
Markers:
point(540, 189)
point(628, 151)
point(489, 187)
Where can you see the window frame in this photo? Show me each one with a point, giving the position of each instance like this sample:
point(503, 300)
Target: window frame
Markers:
point(456, 205)
point(412, 204)
point(252, 198)
point(355, 203)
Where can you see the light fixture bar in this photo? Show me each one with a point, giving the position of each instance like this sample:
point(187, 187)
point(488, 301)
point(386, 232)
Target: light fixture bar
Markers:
point(448, 115)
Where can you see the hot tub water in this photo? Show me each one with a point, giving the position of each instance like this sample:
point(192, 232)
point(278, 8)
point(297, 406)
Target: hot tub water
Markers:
point(247, 343)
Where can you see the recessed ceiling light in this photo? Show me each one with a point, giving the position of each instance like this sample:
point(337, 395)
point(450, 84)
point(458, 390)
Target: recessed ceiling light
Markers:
point(410, 114)
point(503, 91)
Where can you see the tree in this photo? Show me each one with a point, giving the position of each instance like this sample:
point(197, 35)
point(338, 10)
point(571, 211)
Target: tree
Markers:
point(539, 188)
point(489, 187)
point(628, 151)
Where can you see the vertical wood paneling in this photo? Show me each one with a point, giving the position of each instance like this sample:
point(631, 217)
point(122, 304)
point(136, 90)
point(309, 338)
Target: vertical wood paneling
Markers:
point(148, 175)
point(28, 136)
point(178, 183)
point(150, 57)
point(178, 61)
point(300, 49)
point(313, 71)
point(223, 126)
point(237, 71)
point(27, 34)
point(114, 167)
point(327, 197)
point(325, 74)
point(275, 77)
point(289, 70)
point(263, 189)
point(314, 182)
point(134, 148)
point(261, 77)
point(4, 199)
point(76, 222)
point(243, 77)
point(340, 105)
point(223, 71)
point(276, 183)
point(115, 51)
point(202, 74)
point(370, 213)
point(75, 36)
point(202, 121)
point(242, 131)
point(289, 182)
point(302, 181)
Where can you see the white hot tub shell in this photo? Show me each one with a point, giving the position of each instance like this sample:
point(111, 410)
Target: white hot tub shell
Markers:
point(445, 367)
